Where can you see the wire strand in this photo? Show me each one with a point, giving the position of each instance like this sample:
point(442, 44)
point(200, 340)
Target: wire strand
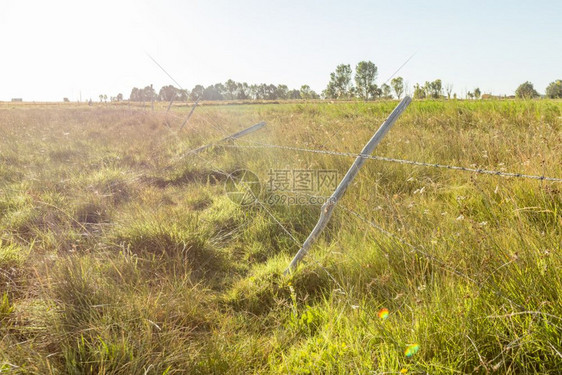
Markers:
point(400, 161)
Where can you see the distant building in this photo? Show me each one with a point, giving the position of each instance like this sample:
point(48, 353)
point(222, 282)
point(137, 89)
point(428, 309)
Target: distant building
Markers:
point(487, 96)
point(17, 100)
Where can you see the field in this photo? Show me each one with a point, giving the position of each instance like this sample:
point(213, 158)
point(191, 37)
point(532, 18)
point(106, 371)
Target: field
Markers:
point(120, 254)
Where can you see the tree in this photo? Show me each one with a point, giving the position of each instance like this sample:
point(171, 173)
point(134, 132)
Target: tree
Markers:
point(101, 98)
point(141, 95)
point(305, 92)
point(365, 75)
point(526, 91)
point(270, 92)
point(182, 95)
point(262, 92)
point(469, 95)
point(254, 91)
point(219, 87)
point(330, 91)
point(231, 89)
point(398, 86)
point(242, 91)
point(265, 92)
point(282, 92)
point(340, 83)
point(134, 97)
point(554, 89)
point(477, 93)
point(449, 90)
point(295, 94)
point(197, 93)
point(168, 93)
point(119, 97)
point(419, 92)
point(213, 92)
point(385, 89)
point(433, 89)
point(148, 93)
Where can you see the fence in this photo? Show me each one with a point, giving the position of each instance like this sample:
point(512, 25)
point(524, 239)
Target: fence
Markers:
point(235, 141)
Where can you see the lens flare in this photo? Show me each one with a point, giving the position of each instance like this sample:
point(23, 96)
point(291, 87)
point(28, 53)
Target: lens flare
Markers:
point(383, 313)
point(411, 350)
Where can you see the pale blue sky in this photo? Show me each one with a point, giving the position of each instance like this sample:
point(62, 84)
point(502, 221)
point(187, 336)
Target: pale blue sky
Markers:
point(55, 49)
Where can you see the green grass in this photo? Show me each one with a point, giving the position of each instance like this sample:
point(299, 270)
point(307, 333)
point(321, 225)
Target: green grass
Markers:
point(118, 256)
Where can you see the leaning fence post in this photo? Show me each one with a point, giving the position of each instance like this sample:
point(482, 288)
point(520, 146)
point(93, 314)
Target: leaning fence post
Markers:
point(328, 207)
point(170, 105)
point(190, 114)
point(231, 137)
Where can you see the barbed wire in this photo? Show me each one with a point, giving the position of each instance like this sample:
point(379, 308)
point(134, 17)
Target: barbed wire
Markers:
point(400, 161)
point(390, 235)
point(441, 263)
point(406, 243)
point(222, 130)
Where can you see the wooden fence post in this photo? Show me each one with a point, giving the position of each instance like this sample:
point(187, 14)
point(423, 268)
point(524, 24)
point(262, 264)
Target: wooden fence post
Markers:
point(231, 137)
point(190, 114)
point(328, 207)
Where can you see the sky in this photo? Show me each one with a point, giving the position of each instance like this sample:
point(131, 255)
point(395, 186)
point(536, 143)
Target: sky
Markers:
point(81, 49)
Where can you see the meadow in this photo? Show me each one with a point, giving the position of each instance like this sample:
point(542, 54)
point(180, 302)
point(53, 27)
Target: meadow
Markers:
point(120, 252)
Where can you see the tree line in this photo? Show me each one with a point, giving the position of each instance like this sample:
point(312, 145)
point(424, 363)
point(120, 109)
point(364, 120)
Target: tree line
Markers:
point(343, 84)
point(527, 91)
point(230, 90)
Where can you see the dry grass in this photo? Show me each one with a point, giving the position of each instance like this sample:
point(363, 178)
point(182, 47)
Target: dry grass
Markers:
point(119, 256)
